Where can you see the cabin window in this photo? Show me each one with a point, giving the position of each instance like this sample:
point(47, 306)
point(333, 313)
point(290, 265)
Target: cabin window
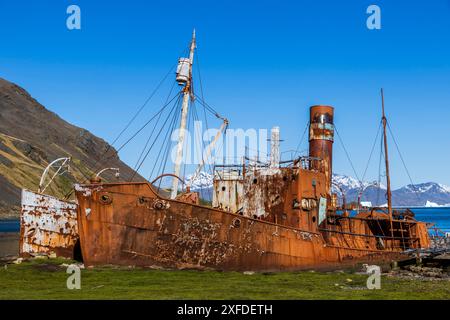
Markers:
point(223, 188)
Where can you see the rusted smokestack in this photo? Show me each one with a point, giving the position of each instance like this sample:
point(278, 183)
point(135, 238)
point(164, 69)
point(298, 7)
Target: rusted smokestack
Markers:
point(321, 137)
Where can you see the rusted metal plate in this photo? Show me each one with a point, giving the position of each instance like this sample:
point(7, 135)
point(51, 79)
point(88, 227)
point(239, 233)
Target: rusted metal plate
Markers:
point(48, 225)
point(228, 190)
point(266, 191)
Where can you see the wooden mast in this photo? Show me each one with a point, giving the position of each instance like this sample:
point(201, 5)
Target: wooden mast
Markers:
point(386, 157)
point(184, 114)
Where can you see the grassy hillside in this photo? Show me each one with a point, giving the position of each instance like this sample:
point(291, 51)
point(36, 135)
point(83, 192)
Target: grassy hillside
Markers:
point(32, 136)
point(46, 279)
point(21, 166)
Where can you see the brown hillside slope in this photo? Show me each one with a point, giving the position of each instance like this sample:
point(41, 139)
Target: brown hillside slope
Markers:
point(32, 136)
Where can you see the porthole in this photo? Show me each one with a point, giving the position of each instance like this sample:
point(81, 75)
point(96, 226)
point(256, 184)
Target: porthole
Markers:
point(159, 205)
point(314, 219)
point(105, 199)
point(223, 188)
point(236, 222)
point(255, 181)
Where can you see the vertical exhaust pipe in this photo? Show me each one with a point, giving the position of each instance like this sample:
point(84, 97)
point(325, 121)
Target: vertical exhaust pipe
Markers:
point(275, 147)
point(321, 138)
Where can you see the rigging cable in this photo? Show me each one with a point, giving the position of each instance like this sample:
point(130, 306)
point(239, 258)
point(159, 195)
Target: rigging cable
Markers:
point(161, 149)
point(124, 144)
point(370, 158)
point(348, 157)
point(147, 123)
point(159, 132)
point(147, 100)
point(403, 161)
point(200, 147)
point(371, 152)
point(301, 139)
point(167, 152)
point(143, 106)
point(189, 120)
point(208, 107)
point(153, 130)
point(204, 109)
point(379, 171)
point(126, 127)
point(201, 86)
point(166, 146)
point(131, 121)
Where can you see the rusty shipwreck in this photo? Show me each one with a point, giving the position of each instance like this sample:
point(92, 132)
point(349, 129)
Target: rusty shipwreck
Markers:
point(279, 215)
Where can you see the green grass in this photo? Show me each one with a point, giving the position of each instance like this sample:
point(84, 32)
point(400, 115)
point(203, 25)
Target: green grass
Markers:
point(46, 279)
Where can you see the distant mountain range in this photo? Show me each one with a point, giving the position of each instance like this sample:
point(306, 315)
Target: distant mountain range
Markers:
point(429, 194)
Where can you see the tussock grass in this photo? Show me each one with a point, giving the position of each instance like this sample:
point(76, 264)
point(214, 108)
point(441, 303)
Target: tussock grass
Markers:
point(46, 279)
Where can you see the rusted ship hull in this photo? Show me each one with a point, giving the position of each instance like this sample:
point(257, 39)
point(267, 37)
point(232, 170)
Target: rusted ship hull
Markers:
point(129, 224)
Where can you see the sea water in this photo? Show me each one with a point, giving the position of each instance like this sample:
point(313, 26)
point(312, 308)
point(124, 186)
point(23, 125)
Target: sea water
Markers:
point(439, 216)
point(9, 237)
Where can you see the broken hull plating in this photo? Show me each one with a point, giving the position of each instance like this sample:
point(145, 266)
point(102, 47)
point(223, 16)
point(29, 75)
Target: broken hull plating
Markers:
point(48, 225)
point(129, 224)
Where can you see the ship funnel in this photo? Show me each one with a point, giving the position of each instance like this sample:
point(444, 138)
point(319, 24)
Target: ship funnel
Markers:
point(321, 137)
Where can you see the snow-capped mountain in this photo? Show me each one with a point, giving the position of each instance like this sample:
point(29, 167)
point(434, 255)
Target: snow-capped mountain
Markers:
point(204, 180)
point(202, 183)
point(427, 187)
point(347, 183)
point(423, 194)
point(344, 182)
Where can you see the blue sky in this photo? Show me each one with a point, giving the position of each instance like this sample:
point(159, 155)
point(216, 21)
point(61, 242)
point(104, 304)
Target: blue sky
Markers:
point(263, 63)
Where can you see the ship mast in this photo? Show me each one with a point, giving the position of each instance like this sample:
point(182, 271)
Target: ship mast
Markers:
point(388, 177)
point(184, 114)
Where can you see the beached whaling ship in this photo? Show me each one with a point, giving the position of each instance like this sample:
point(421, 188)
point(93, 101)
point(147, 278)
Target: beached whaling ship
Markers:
point(280, 215)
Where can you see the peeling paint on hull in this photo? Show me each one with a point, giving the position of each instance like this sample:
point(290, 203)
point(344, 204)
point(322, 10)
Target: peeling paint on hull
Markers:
point(48, 225)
